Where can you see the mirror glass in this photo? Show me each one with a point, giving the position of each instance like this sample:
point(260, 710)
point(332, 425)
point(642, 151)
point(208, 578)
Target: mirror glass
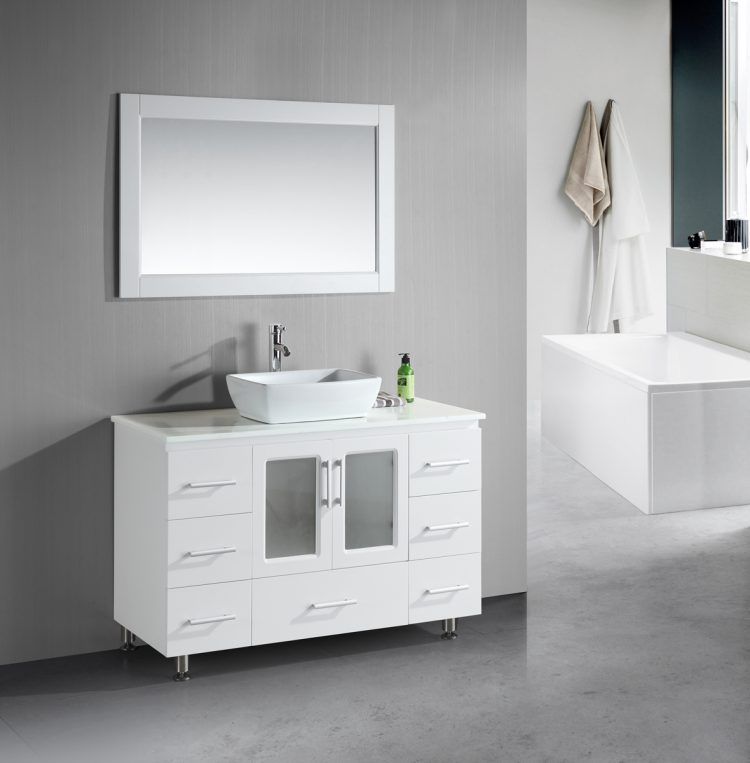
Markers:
point(256, 197)
point(230, 196)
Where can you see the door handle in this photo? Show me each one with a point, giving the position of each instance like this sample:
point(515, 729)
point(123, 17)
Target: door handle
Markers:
point(324, 483)
point(442, 464)
point(340, 498)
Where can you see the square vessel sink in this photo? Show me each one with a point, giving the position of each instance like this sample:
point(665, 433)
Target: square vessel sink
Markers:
point(284, 397)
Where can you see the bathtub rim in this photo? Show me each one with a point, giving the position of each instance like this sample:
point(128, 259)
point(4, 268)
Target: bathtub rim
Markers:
point(641, 382)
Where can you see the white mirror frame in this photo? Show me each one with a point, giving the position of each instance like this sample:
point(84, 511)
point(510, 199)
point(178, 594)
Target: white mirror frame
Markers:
point(134, 283)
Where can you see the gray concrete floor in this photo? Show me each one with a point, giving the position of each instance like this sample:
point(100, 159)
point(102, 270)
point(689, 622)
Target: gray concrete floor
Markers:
point(632, 645)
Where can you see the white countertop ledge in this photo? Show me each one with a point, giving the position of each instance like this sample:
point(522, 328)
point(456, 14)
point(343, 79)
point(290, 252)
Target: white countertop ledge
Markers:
point(718, 253)
point(226, 423)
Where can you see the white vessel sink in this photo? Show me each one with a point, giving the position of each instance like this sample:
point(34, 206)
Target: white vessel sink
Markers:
point(284, 397)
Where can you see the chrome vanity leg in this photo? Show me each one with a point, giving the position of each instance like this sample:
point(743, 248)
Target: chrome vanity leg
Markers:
point(127, 638)
point(449, 629)
point(183, 671)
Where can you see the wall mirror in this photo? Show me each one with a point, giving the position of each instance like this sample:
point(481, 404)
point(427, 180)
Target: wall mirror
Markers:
point(230, 197)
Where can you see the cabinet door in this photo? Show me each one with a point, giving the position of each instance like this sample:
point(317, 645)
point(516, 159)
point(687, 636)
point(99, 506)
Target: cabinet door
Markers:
point(292, 517)
point(370, 496)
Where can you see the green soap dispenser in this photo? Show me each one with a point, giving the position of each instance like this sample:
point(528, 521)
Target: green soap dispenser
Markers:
point(405, 379)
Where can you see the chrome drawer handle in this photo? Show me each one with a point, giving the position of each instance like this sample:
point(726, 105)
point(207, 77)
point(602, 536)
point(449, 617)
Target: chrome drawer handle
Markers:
point(447, 589)
point(215, 483)
point(451, 526)
point(329, 604)
point(441, 464)
point(213, 551)
point(206, 620)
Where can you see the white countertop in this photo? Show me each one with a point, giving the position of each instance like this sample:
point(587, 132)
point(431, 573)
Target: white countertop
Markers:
point(745, 257)
point(185, 426)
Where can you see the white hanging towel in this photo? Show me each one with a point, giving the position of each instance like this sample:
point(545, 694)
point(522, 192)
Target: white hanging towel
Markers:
point(622, 285)
point(586, 185)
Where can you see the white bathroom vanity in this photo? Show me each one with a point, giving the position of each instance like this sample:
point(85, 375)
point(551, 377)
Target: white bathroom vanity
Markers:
point(231, 533)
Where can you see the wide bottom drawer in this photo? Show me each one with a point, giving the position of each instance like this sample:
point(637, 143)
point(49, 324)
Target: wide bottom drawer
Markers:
point(208, 618)
point(291, 607)
point(445, 587)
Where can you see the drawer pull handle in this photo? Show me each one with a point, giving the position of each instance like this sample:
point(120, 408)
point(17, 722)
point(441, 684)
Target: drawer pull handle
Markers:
point(451, 526)
point(448, 589)
point(215, 483)
point(442, 464)
point(213, 551)
point(329, 604)
point(207, 620)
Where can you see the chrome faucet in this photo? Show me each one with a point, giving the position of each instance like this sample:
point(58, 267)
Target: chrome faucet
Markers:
point(276, 347)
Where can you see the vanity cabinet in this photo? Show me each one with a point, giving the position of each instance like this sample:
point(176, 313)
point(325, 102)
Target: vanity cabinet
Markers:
point(232, 533)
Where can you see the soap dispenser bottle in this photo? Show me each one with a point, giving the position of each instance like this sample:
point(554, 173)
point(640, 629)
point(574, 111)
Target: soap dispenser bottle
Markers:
point(405, 379)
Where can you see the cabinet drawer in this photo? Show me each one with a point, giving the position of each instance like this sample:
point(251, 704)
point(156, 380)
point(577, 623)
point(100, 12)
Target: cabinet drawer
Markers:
point(209, 550)
point(334, 601)
point(208, 481)
point(447, 587)
point(207, 618)
point(444, 525)
point(445, 462)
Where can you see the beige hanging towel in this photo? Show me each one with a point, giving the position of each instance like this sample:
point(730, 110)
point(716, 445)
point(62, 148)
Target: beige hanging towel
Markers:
point(587, 184)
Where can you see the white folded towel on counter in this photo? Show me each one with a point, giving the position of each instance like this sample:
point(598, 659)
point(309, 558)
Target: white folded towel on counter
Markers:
point(387, 400)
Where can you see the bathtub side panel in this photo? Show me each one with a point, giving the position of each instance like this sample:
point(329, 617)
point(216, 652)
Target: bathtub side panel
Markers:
point(701, 449)
point(599, 420)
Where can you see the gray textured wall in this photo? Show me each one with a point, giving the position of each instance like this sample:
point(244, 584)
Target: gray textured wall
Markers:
point(72, 354)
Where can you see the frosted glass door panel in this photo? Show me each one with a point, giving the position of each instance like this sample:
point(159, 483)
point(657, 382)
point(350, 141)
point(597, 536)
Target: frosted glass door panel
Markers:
point(291, 511)
point(291, 507)
point(369, 500)
point(370, 490)
point(257, 197)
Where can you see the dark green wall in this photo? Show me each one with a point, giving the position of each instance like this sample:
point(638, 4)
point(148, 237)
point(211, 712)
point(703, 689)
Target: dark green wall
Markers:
point(697, 119)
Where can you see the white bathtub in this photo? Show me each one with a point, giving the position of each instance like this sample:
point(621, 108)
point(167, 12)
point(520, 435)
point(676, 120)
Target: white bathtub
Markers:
point(662, 419)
